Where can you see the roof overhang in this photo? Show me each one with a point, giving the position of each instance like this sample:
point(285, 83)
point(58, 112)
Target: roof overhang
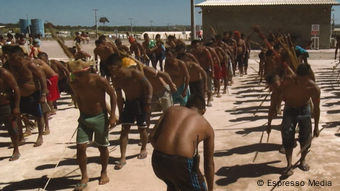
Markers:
point(225, 3)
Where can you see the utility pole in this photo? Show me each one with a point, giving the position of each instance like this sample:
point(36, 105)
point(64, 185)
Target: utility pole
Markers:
point(151, 25)
point(193, 32)
point(131, 24)
point(28, 25)
point(95, 18)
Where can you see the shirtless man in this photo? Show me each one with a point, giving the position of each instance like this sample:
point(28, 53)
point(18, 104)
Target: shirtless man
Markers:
point(175, 139)
point(162, 86)
point(217, 58)
point(136, 48)
point(337, 46)
point(109, 43)
point(224, 54)
point(297, 90)
point(179, 75)
point(198, 77)
point(63, 76)
point(149, 51)
point(79, 54)
point(103, 51)
point(138, 95)
point(32, 84)
point(247, 54)
point(122, 47)
point(206, 62)
point(241, 51)
point(9, 108)
point(52, 86)
point(90, 90)
point(228, 39)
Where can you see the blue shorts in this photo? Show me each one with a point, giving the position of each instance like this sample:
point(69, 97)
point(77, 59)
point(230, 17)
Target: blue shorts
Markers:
point(177, 96)
point(30, 104)
point(134, 111)
point(5, 118)
point(292, 116)
point(177, 172)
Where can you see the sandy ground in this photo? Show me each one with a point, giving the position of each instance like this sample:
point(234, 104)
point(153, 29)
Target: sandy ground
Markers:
point(238, 122)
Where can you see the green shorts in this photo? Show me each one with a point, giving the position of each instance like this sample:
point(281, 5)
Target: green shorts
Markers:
point(97, 124)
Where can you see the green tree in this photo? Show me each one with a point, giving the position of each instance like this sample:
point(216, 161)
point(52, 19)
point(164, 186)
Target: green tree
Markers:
point(103, 20)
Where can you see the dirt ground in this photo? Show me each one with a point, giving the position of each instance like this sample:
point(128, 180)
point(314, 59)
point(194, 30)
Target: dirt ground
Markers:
point(238, 122)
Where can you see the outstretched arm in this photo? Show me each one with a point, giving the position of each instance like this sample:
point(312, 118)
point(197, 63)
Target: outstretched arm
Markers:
point(39, 74)
point(209, 165)
point(10, 81)
point(113, 100)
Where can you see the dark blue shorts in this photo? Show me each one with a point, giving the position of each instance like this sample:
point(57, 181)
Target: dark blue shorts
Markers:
point(133, 111)
point(30, 104)
point(5, 118)
point(292, 116)
point(177, 172)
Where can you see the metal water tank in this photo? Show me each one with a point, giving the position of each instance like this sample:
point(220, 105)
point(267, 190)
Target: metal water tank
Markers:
point(38, 27)
point(24, 26)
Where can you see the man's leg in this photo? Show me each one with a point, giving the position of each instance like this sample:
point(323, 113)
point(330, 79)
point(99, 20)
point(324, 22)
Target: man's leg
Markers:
point(288, 137)
point(124, 138)
point(305, 136)
point(46, 117)
point(82, 162)
point(104, 157)
point(144, 138)
point(40, 122)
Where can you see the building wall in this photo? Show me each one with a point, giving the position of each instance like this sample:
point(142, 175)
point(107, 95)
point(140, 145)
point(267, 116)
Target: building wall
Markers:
point(295, 20)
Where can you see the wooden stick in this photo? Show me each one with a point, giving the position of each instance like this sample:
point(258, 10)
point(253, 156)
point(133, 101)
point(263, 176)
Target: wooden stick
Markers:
point(288, 169)
point(61, 156)
point(310, 142)
point(260, 143)
point(261, 103)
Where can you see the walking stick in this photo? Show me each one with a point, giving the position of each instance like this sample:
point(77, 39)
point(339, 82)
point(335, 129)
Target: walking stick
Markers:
point(288, 169)
point(261, 103)
point(260, 142)
point(306, 145)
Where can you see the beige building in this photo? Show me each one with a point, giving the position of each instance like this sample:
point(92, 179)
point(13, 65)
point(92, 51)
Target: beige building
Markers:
point(306, 19)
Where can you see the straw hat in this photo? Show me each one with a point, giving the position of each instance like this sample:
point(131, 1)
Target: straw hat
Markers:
point(78, 65)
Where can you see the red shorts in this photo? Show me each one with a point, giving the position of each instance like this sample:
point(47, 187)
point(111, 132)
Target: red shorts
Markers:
point(217, 72)
point(224, 71)
point(52, 86)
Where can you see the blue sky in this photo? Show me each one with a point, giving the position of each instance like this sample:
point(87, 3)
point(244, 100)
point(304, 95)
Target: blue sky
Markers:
point(118, 12)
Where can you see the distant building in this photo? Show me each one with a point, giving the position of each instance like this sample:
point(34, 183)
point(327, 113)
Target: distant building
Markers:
point(294, 17)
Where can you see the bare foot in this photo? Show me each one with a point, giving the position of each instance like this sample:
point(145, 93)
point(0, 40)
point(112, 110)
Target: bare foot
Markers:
point(288, 171)
point(46, 132)
point(82, 184)
point(104, 178)
point(142, 155)
point(304, 166)
point(38, 143)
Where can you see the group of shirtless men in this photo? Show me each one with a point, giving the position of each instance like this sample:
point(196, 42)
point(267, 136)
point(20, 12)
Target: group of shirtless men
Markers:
point(27, 84)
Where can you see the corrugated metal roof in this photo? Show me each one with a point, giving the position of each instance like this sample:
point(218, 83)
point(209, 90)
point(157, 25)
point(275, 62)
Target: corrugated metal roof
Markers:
point(265, 2)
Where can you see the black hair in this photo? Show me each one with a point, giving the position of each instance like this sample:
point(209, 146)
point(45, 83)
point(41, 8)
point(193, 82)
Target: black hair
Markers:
point(13, 49)
point(181, 55)
point(303, 70)
point(196, 100)
point(99, 41)
point(271, 78)
point(194, 42)
point(209, 44)
point(118, 41)
point(218, 37)
point(42, 54)
point(114, 59)
point(225, 33)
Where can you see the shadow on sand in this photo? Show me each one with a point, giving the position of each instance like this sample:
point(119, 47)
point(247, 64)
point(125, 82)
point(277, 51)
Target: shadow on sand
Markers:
point(231, 174)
